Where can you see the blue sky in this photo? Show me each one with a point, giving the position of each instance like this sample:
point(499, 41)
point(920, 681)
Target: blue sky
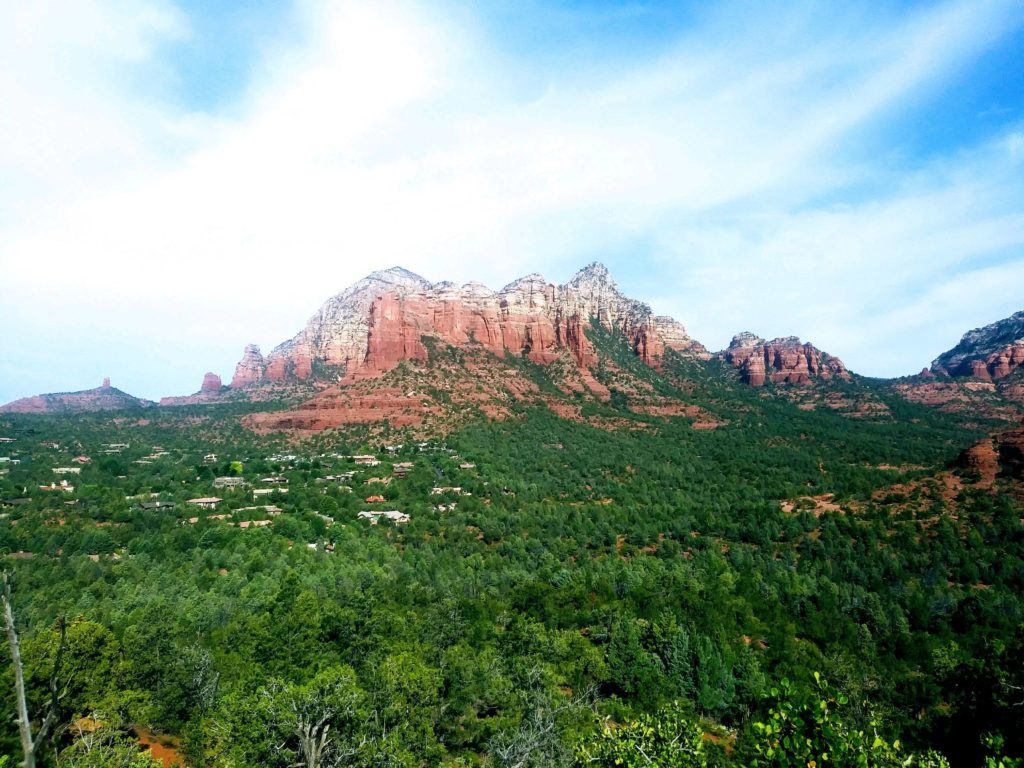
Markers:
point(181, 178)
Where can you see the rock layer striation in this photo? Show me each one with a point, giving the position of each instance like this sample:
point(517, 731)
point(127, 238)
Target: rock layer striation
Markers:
point(989, 353)
point(781, 361)
point(391, 316)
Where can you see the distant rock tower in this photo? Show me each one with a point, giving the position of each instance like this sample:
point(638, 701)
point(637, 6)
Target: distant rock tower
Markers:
point(106, 382)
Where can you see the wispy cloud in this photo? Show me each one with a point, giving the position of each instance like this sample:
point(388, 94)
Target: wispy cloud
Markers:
point(748, 174)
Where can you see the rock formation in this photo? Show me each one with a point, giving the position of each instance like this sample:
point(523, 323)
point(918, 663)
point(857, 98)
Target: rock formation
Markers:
point(211, 383)
point(102, 398)
point(783, 360)
point(383, 319)
point(250, 368)
point(1001, 455)
point(989, 353)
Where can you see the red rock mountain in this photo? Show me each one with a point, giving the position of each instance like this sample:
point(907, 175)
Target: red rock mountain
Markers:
point(102, 398)
point(784, 360)
point(989, 353)
point(381, 320)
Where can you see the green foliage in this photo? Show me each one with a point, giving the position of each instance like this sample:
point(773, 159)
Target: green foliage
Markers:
point(106, 746)
point(668, 738)
point(580, 566)
point(806, 729)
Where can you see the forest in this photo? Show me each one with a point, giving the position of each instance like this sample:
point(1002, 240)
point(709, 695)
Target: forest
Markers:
point(792, 587)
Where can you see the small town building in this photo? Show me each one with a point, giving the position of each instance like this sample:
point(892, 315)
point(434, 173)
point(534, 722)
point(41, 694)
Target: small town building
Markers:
point(257, 492)
point(391, 514)
point(254, 523)
point(206, 502)
point(62, 486)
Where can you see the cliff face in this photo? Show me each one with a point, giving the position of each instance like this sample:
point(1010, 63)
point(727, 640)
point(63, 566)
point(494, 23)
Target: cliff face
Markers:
point(999, 456)
point(102, 398)
point(381, 320)
point(250, 368)
point(989, 353)
point(781, 361)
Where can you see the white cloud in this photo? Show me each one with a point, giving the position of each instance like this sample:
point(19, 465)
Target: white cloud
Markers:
point(388, 135)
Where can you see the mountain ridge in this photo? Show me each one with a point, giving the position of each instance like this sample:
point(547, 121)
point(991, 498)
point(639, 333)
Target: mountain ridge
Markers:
point(101, 398)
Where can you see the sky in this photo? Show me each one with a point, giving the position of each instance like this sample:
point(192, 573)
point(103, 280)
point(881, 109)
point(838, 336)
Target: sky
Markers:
point(179, 178)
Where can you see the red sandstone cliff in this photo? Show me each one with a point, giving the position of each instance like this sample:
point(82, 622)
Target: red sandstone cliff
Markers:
point(250, 368)
point(783, 360)
point(999, 456)
point(381, 320)
point(989, 353)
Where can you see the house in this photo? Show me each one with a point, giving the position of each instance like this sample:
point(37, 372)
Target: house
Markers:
point(153, 505)
point(340, 477)
point(446, 489)
point(14, 502)
point(467, 465)
point(270, 509)
point(206, 502)
point(50, 444)
point(210, 458)
point(67, 470)
point(254, 523)
point(55, 487)
point(274, 480)
point(218, 517)
point(81, 459)
point(7, 439)
point(9, 460)
point(366, 461)
point(391, 514)
point(257, 492)
point(375, 499)
point(229, 482)
point(402, 468)
point(378, 480)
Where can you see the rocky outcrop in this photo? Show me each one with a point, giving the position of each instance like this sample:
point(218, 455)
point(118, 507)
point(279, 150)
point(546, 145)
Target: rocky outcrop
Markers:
point(250, 369)
point(999, 456)
point(981, 461)
point(211, 383)
point(1010, 446)
point(989, 353)
point(383, 319)
point(673, 336)
point(102, 398)
point(781, 361)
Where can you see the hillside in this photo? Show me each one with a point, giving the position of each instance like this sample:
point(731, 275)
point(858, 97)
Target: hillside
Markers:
point(466, 553)
point(102, 398)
